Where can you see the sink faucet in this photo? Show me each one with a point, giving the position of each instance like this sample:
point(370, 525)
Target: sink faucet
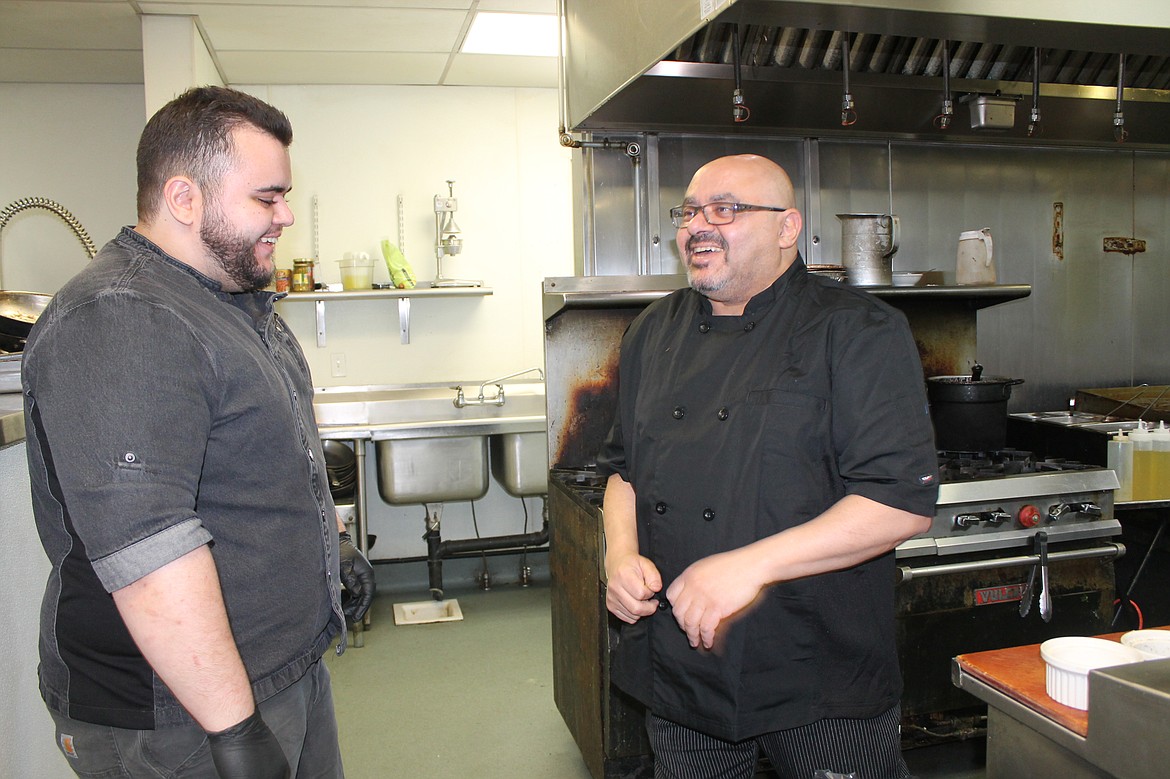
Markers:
point(461, 401)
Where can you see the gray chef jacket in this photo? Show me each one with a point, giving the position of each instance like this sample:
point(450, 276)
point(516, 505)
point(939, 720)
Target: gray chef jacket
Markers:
point(164, 414)
point(731, 429)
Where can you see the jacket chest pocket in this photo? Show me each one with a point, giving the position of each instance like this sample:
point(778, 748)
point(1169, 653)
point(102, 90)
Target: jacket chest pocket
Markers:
point(792, 422)
point(797, 465)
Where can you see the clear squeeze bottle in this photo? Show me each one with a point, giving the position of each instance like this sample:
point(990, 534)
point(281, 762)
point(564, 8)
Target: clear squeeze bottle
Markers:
point(1120, 459)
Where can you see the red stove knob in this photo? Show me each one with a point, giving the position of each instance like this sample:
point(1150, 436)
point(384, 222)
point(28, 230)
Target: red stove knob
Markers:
point(1029, 516)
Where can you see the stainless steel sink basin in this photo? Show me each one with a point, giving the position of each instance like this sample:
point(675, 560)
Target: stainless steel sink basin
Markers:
point(432, 470)
point(429, 450)
point(520, 463)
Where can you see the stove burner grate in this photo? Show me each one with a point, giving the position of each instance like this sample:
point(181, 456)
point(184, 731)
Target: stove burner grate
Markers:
point(956, 466)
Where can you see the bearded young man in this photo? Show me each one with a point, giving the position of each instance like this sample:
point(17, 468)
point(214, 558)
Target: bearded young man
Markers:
point(179, 486)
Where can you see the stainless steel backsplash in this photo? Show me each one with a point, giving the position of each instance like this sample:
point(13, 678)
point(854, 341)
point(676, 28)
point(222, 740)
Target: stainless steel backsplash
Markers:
point(1094, 319)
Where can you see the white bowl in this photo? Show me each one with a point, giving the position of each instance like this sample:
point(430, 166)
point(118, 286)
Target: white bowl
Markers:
point(1069, 660)
point(906, 279)
point(1154, 644)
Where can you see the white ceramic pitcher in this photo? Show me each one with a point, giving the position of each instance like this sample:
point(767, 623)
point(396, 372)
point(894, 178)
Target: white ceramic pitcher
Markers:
point(976, 260)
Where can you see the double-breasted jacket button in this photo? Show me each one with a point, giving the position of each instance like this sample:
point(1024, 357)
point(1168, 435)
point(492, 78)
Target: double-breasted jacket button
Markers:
point(709, 514)
point(679, 412)
point(749, 327)
point(723, 414)
point(660, 507)
point(704, 327)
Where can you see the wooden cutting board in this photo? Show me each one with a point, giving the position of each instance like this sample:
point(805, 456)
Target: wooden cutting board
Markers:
point(1148, 403)
point(1019, 672)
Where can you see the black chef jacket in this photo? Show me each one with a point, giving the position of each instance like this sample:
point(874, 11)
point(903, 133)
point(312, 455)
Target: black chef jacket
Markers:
point(731, 429)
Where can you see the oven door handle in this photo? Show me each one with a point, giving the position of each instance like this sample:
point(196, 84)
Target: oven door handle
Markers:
point(907, 573)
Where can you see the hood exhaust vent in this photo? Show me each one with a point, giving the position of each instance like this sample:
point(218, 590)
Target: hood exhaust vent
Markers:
point(781, 65)
point(893, 55)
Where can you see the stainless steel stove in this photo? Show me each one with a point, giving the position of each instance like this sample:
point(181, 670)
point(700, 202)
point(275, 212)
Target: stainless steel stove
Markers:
point(1020, 550)
point(962, 586)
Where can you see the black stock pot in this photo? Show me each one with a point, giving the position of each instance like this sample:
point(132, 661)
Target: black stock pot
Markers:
point(970, 412)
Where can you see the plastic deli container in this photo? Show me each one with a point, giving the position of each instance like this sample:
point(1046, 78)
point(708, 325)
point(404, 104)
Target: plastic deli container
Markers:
point(357, 273)
point(1069, 659)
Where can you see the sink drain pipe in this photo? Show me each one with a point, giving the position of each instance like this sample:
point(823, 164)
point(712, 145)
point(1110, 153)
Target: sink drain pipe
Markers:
point(438, 549)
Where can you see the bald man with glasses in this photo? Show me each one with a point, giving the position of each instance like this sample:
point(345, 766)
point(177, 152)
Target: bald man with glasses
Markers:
point(772, 446)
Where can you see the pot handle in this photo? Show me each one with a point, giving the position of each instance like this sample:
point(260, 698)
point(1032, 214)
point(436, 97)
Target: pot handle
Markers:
point(1014, 382)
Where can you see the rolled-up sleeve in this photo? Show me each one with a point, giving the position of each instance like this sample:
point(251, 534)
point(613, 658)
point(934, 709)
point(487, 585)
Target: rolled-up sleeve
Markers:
point(126, 420)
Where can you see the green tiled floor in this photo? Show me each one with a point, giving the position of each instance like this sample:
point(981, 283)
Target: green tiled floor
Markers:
point(474, 698)
point(460, 699)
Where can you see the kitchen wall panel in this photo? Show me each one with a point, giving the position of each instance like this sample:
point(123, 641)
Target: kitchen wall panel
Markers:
point(1093, 318)
point(1150, 271)
point(1067, 333)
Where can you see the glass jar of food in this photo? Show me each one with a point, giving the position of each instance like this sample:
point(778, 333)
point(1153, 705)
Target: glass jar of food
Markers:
point(302, 276)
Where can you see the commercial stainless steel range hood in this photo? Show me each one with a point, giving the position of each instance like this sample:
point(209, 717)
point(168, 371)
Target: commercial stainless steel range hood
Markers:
point(671, 66)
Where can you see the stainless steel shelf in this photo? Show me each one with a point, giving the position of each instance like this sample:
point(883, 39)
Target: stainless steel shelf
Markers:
point(403, 296)
point(619, 291)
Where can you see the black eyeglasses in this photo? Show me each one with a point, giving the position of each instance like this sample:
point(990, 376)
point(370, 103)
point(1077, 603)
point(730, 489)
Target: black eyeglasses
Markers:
point(715, 213)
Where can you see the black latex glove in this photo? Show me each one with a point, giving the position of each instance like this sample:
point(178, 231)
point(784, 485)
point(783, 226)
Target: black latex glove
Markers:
point(358, 577)
point(248, 750)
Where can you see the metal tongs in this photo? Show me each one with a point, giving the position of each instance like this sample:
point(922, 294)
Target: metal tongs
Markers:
point(1041, 542)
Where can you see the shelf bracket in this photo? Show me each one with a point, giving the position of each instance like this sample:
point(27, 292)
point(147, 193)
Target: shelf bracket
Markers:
point(404, 320)
point(320, 310)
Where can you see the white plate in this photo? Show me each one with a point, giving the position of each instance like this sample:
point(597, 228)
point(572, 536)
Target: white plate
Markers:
point(1152, 643)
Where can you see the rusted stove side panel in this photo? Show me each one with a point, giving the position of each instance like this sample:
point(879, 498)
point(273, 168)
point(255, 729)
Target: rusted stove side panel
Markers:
point(581, 371)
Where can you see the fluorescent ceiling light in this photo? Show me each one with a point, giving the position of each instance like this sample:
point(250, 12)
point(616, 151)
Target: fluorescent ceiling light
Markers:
point(530, 35)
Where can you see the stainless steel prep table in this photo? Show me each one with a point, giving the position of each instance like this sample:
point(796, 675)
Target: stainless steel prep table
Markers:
point(1029, 734)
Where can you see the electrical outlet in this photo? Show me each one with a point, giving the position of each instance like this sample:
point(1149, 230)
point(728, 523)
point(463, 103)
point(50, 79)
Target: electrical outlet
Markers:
point(337, 363)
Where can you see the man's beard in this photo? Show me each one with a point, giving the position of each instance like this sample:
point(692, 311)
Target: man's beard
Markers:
point(713, 282)
point(235, 253)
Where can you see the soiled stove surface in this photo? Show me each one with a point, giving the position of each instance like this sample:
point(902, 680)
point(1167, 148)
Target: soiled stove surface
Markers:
point(586, 484)
point(956, 466)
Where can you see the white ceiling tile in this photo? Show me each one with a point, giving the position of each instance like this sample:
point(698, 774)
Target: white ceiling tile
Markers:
point(331, 29)
point(196, 6)
point(266, 41)
point(42, 66)
point(494, 70)
point(315, 67)
point(37, 24)
point(520, 6)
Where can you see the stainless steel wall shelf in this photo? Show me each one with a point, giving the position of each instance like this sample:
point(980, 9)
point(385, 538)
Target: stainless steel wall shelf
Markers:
point(403, 296)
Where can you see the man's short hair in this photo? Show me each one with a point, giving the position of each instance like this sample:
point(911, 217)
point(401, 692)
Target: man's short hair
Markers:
point(192, 136)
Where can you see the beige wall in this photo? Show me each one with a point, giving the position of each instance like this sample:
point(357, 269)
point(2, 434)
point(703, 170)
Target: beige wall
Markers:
point(356, 148)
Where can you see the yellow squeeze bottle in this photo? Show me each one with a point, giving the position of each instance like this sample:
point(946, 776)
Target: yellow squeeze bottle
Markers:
point(1160, 472)
point(1143, 463)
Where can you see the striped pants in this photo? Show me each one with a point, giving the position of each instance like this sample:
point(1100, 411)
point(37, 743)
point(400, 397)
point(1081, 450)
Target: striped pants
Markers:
point(828, 749)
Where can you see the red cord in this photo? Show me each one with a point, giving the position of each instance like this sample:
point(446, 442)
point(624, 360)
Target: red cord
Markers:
point(1141, 617)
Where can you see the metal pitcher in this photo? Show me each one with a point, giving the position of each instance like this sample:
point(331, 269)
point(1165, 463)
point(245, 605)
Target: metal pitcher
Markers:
point(868, 242)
